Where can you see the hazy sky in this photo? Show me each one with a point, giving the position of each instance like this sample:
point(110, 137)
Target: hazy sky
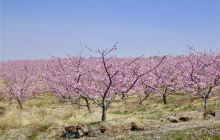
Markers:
point(33, 29)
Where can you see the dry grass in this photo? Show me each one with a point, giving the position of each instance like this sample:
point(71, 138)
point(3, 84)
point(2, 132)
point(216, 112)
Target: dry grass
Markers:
point(47, 111)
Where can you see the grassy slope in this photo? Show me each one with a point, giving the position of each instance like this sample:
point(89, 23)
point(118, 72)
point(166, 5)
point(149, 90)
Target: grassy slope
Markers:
point(45, 113)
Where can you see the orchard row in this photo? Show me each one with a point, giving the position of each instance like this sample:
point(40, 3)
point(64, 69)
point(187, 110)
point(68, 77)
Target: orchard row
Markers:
point(102, 77)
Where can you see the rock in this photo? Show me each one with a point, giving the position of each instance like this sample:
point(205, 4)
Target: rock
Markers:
point(71, 132)
point(83, 128)
point(208, 113)
point(72, 135)
point(70, 129)
point(125, 129)
point(172, 119)
point(135, 127)
point(102, 128)
point(184, 119)
point(94, 132)
point(209, 116)
point(81, 133)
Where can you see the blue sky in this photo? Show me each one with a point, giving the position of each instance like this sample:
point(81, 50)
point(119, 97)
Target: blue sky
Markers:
point(36, 29)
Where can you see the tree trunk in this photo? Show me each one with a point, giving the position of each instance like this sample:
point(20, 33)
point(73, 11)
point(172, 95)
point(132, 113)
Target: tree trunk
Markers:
point(19, 103)
point(123, 96)
point(103, 113)
point(141, 100)
point(164, 98)
point(205, 103)
point(87, 104)
point(78, 102)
